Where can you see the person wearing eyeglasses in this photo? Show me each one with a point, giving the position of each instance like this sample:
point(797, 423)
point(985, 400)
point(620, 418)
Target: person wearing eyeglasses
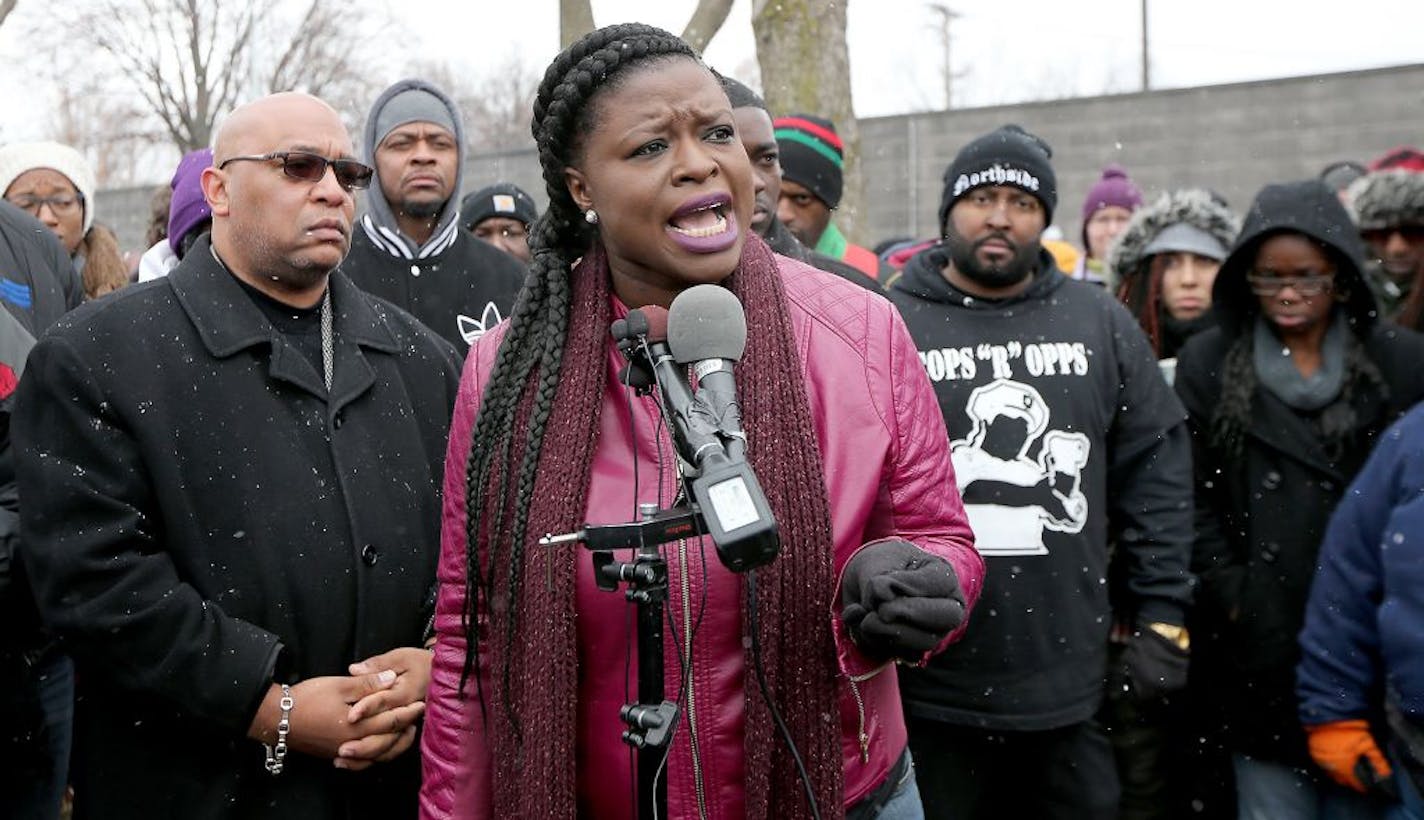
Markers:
point(409, 247)
point(56, 185)
point(229, 482)
point(501, 215)
point(1285, 398)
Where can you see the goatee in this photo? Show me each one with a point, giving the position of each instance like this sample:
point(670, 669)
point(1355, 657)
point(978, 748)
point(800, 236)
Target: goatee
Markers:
point(963, 253)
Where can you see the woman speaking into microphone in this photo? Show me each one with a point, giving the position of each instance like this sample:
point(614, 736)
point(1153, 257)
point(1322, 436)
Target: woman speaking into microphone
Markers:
point(650, 193)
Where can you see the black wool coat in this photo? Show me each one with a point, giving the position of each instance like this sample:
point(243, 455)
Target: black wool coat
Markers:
point(1260, 520)
point(201, 518)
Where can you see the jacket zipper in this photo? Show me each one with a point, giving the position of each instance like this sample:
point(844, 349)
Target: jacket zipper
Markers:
point(686, 584)
point(691, 697)
point(860, 733)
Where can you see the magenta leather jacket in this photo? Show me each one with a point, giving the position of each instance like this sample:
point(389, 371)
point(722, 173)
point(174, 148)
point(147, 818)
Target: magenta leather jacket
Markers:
point(888, 475)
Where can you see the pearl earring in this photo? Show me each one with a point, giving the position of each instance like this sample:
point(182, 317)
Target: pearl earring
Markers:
point(590, 216)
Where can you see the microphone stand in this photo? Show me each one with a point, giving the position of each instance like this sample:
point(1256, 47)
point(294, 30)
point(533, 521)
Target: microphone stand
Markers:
point(651, 719)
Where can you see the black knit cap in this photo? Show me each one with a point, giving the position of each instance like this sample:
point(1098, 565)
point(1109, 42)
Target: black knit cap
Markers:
point(1008, 155)
point(502, 199)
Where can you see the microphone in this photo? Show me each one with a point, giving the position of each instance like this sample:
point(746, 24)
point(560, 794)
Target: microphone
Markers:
point(705, 425)
point(707, 329)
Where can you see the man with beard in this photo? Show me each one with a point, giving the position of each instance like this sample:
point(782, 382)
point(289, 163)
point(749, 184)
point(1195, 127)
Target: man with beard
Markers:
point(753, 123)
point(409, 248)
point(230, 504)
point(1065, 439)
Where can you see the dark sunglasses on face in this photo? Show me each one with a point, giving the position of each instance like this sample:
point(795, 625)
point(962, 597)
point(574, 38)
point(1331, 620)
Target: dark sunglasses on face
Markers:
point(308, 167)
point(1269, 284)
point(61, 204)
point(1380, 236)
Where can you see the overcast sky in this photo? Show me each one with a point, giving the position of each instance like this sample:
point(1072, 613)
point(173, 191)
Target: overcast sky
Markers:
point(1008, 50)
point(1002, 51)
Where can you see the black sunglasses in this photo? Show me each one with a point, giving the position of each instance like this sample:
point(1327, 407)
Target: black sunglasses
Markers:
point(309, 167)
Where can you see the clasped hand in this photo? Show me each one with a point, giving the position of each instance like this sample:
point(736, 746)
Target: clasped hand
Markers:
point(368, 717)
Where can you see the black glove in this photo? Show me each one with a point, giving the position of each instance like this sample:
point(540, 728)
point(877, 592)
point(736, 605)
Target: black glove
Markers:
point(1156, 666)
point(899, 601)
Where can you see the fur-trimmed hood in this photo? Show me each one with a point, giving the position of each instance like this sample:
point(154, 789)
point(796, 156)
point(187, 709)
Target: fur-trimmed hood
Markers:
point(1194, 206)
point(1388, 199)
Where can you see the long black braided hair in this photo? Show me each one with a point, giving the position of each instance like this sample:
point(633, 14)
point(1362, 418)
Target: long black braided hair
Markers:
point(563, 111)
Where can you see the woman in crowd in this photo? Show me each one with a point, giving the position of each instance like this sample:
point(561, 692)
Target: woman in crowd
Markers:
point(1361, 680)
point(650, 192)
point(55, 184)
point(1108, 206)
point(1165, 262)
point(1285, 397)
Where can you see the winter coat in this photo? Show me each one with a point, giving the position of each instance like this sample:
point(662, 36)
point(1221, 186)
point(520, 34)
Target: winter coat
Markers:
point(1261, 516)
point(1065, 438)
point(201, 519)
point(1361, 638)
point(38, 284)
point(888, 475)
point(461, 291)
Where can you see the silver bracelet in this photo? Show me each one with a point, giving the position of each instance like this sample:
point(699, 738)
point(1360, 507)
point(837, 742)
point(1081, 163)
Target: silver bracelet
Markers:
point(277, 755)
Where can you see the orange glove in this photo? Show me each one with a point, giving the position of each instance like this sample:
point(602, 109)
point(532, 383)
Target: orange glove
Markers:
point(1348, 753)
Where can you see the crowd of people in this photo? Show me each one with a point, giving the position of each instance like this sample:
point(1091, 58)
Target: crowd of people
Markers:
point(1117, 530)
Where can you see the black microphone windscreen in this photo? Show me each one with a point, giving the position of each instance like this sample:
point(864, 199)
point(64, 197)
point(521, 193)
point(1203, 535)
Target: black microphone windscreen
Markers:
point(636, 324)
point(706, 322)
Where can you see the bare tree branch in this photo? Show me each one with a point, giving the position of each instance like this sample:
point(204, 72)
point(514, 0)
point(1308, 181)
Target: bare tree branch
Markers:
point(707, 20)
point(190, 61)
point(6, 6)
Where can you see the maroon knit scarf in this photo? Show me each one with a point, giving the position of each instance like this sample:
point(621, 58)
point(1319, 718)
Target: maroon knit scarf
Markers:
point(534, 763)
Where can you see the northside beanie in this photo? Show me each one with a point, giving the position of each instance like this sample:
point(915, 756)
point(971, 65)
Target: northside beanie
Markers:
point(811, 155)
point(19, 157)
point(1008, 155)
point(189, 208)
point(503, 199)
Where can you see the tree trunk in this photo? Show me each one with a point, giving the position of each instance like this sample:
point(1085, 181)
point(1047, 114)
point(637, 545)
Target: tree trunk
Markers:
point(706, 21)
point(575, 20)
point(805, 69)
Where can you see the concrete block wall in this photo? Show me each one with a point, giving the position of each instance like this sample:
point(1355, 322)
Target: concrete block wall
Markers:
point(1231, 138)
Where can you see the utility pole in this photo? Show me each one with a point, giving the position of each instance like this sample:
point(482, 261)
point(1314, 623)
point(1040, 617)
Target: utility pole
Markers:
point(1146, 74)
point(946, 15)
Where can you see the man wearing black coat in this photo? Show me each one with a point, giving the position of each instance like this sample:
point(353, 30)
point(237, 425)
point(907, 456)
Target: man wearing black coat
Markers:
point(229, 499)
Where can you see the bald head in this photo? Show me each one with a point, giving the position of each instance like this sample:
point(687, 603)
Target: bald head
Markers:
point(278, 229)
point(258, 121)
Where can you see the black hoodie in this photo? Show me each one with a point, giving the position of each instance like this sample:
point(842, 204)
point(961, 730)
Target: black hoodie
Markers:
point(1262, 511)
point(1064, 437)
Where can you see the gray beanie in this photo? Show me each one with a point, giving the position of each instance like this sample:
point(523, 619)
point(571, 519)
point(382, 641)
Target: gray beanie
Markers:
point(411, 105)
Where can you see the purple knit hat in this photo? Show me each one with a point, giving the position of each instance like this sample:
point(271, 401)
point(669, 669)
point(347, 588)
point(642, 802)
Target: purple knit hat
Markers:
point(1115, 188)
point(189, 208)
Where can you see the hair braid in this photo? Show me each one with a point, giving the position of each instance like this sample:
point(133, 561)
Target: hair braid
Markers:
point(1233, 408)
point(510, 425)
